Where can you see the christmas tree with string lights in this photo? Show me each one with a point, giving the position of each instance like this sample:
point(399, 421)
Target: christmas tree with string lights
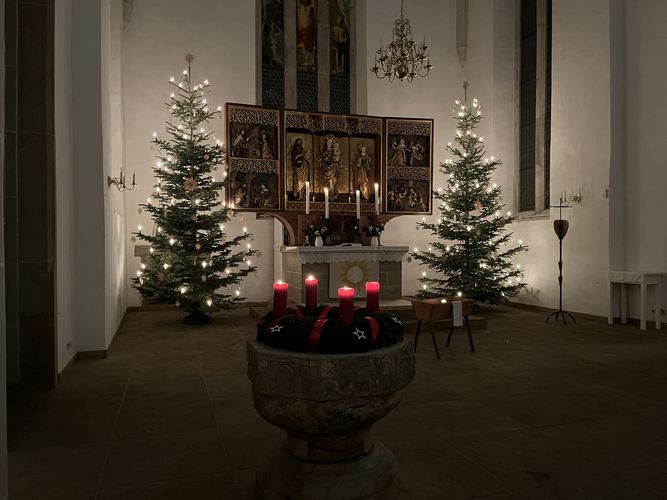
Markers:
point(192, 263)
point(472, 255)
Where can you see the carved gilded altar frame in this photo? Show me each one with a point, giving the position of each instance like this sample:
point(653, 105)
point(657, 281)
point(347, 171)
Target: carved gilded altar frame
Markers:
point(291, 213)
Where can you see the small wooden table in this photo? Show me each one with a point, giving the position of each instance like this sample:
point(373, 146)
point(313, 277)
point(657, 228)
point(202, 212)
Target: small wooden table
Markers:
point(644, 280)
point(430, 310)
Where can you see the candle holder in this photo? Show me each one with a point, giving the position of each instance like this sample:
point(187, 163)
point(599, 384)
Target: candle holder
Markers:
point(560, 228)
point(119, 182)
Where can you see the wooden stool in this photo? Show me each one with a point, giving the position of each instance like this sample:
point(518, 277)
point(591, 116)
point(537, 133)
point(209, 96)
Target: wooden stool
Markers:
point(430, 310)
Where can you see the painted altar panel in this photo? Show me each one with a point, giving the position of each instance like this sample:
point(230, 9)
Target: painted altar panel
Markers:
point(345, 153)
point(253, 136)
point(409, 166)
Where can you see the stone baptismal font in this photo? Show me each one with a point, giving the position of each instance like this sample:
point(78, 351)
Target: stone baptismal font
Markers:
point(325, 375)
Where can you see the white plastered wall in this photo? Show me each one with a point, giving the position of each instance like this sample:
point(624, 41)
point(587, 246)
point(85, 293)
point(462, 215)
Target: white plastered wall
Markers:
point(645, 159)
point(66, 338)
point(113, 160)
point(430, 97)
point(580, 160)
point(221, 35)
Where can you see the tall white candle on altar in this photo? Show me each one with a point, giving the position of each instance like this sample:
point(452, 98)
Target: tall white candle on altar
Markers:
point(326, 203)
point(358, 204)
point(377, 198)
point(307, 197)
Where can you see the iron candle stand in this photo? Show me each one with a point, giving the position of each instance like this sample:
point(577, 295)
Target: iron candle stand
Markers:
point(560, 228)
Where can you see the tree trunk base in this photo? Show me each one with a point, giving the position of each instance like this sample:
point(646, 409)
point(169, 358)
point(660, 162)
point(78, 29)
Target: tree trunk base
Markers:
point(197, 318)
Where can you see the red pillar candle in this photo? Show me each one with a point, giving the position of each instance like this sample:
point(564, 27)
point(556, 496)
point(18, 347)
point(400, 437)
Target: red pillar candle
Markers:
point(372, 295)
point(311, 292)
point(346, 304)
point(279, 299)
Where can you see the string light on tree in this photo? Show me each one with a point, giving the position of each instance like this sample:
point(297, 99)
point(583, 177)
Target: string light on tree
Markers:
point(477, 261)
point(191, 263)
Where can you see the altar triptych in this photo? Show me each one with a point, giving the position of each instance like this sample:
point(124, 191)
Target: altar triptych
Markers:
point(278, 156)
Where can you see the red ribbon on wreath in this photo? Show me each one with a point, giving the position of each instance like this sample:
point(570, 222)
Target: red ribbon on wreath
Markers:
point(375, 328)
point(316, 332)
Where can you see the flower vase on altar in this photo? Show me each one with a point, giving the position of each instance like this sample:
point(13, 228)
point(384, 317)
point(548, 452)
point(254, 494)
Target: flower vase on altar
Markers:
point(374, 230)
point(318, 241)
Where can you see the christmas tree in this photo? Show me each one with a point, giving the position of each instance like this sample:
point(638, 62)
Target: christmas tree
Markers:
point(473, 253)
point(192, 261)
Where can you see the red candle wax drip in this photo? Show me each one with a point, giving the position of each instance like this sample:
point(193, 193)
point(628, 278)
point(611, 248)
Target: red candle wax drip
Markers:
point(279, 299)
point(311, 292)
point(346, 304)
point(372, 295)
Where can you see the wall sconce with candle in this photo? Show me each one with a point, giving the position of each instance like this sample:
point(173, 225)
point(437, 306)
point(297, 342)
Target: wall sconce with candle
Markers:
point(119, 182)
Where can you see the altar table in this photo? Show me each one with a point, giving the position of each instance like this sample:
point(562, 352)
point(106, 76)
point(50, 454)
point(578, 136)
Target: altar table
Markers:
point(301, 261)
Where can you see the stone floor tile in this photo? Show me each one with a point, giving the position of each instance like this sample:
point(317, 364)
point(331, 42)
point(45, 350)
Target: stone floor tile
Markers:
point(166, 373)
point(183, 388)
point(560, 405)
point(247, 443)
point(244, 483)
point(68, 422)
point(540, 411)
point(57, 473)
point(166, 457)
point(216, 486)
point(163, 416)
point(420, 424)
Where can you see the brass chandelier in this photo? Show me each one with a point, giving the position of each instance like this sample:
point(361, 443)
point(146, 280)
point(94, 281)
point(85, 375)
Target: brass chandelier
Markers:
point(403, 58)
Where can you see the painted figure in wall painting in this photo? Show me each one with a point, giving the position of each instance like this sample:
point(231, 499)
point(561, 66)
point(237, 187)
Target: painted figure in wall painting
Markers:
point(330, 164)
point(272, 33)
point(362, 168)
point(300, 168)
point(340, 46)
point(306, 33)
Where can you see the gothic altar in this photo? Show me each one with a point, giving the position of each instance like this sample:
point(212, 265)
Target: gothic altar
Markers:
point(290, 165)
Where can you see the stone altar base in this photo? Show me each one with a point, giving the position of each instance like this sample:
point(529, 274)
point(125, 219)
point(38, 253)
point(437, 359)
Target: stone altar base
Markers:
point(327, 404)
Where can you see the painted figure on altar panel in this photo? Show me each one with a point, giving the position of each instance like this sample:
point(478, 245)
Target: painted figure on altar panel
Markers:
point(399, 156)
point(251, 140)
point(407, 151)
point(362, 171)
point(408, 196)
point(240, 143)
point(330, 165)
point(300, 168)
point(266, 148)
point(415, 153)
